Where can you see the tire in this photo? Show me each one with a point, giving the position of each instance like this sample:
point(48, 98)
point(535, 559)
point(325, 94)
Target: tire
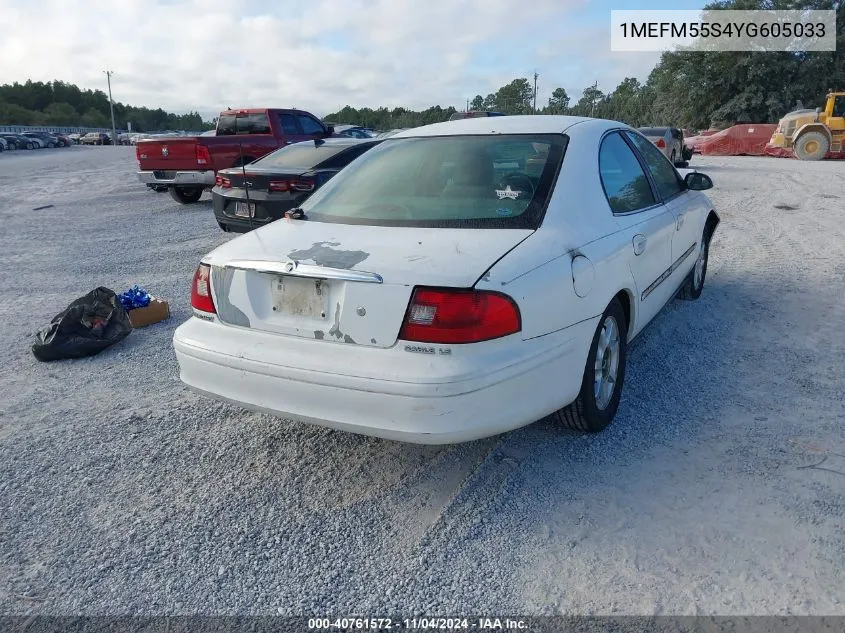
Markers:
point(694, 283)
point(686, 153)
point(811, 146)
point(30, 146)
point(588, 413)
point(186, 195)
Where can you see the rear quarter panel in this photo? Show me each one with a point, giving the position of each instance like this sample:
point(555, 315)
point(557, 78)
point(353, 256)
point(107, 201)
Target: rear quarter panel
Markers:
point(578, 222)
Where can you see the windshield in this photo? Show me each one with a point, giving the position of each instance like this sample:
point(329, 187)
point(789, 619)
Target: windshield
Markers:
point(489, 181)
point(301, 155)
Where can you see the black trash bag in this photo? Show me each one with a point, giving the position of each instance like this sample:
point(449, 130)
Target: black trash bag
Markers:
point(86, 327)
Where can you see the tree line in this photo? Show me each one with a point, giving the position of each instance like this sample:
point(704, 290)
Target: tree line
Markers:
point(685, 89)
point(57, 103)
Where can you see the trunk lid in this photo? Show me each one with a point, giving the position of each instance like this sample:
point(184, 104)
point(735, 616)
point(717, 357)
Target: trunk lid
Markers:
point(177, 153)
point(344, 283)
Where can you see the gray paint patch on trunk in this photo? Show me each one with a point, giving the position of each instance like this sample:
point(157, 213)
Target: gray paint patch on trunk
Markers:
point(322, 254)
point(227, 312)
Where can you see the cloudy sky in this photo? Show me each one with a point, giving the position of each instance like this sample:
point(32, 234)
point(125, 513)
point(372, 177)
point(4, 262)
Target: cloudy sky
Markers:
point(319, 55)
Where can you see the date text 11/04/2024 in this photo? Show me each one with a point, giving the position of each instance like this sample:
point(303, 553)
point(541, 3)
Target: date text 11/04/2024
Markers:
point(411, 624)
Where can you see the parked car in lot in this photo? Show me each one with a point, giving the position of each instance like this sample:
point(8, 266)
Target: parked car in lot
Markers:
point(186, 165)
point(95, 138)
point(433, 292)
point(354, 131)
point(4, 145)
point(44, 138)
point(64, 140)
point(245, 198)
point(16, 141)
point(668, 140)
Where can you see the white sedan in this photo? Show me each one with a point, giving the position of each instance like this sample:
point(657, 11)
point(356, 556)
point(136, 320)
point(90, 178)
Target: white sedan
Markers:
point(457, 281)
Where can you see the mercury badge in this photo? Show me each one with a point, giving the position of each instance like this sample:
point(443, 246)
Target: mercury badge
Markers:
point(164, 151)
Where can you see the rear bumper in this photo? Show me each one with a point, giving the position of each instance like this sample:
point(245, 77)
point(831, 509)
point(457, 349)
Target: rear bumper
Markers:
point(162, 177)
point(489, 401)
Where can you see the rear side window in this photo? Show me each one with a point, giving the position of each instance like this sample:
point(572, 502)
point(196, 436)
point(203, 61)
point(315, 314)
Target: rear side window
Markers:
point(288, 122)
point(256, 123)
point(653, 131)
point(668, 181)
point(624, 181)
point(309, 125)
point(496, 181)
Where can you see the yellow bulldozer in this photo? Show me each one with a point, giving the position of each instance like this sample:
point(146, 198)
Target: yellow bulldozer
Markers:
point(811, 134)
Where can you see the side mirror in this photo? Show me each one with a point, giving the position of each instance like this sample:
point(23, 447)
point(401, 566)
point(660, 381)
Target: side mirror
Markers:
point(696, 181)
point(818, 110)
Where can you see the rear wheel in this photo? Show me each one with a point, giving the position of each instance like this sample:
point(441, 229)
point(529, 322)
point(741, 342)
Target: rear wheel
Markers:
point(186, 195)
point(811, 146)
point(601, 386)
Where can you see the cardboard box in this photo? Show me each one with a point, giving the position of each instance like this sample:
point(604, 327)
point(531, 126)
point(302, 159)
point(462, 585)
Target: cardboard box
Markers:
point(156, 311)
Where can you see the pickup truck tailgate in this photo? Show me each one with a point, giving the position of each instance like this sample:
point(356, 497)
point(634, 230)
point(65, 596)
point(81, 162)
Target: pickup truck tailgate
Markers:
point(169, 154)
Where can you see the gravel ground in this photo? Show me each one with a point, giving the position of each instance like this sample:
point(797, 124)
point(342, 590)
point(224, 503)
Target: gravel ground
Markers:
point(718, 490)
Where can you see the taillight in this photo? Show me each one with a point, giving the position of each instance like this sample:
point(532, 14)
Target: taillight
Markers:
point(201, 290)
point(296, 184)
point(660, 143)
point(203, 155)
point(450, 315)
point(220, 181)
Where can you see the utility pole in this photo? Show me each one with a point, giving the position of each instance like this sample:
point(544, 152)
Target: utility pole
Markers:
point(467, 110)
point(593, 99)
point(114, 141)
point(535, 92)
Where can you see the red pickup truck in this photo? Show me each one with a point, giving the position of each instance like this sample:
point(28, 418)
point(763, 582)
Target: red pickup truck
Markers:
point(186, 165)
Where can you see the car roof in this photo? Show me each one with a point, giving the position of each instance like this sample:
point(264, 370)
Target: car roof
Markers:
point(521, 124)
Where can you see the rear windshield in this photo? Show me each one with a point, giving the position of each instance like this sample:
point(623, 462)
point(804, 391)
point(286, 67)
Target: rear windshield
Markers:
point(501, 181)
point(256, 123)
point(302, 155)
point(652, 131)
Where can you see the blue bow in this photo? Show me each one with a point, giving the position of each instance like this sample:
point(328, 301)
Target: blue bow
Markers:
point(135, 297)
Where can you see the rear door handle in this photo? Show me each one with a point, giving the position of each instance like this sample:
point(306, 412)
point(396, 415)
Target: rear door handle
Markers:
point(639, 243)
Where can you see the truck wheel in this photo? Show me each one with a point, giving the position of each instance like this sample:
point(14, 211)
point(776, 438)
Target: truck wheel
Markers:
point(186, 195)
point(811, 146)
